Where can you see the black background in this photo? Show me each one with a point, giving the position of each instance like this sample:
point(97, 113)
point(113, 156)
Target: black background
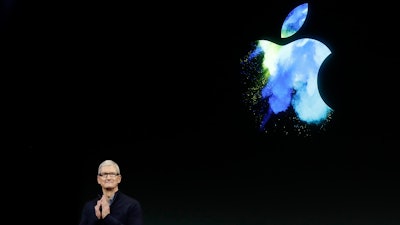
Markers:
point(157, 88)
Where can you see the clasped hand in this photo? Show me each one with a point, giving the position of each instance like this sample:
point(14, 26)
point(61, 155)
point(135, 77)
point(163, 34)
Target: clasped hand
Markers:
point(102, 208)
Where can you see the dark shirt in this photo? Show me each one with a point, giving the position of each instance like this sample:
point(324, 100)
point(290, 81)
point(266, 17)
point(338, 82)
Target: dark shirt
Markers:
point(124, 210)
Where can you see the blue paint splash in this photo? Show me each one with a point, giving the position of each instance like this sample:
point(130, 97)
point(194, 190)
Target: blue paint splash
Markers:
point(283, 79)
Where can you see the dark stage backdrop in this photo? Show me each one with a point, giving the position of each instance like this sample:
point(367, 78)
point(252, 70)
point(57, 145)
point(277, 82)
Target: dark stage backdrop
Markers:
point(158, 88)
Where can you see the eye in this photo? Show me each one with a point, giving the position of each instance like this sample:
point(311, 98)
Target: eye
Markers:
point(108, 174)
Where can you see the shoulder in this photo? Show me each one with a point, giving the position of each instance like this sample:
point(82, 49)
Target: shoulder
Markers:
point(128, 202)
point(90, 203)
point(126, 198)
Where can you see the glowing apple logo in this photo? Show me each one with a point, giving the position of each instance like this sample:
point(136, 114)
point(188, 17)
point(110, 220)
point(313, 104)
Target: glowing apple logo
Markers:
point(282, 80)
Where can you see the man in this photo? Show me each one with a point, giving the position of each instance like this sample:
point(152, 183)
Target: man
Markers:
point(112, 207)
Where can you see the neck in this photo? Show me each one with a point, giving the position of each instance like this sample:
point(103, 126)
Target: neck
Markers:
point(109, 193)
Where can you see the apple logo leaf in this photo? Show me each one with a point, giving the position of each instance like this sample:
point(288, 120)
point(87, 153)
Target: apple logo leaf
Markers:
point(282, 80)
point(294, 20)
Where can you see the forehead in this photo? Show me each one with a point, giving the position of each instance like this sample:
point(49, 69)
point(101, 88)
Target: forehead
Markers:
point(108, 169)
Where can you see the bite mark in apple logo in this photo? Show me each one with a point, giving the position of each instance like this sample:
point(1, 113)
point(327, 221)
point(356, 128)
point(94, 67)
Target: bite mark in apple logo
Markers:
point(282, 80)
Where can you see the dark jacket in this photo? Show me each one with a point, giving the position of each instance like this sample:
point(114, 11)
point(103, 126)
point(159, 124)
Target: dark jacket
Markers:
point(124, 210)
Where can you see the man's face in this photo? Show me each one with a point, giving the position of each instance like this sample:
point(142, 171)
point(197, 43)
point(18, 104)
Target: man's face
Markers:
point(108, 177)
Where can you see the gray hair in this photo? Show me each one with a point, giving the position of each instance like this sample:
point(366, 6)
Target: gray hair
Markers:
point(108, 162)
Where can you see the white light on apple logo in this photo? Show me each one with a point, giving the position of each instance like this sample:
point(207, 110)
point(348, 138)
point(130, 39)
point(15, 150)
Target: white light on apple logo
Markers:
point(282, 80)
